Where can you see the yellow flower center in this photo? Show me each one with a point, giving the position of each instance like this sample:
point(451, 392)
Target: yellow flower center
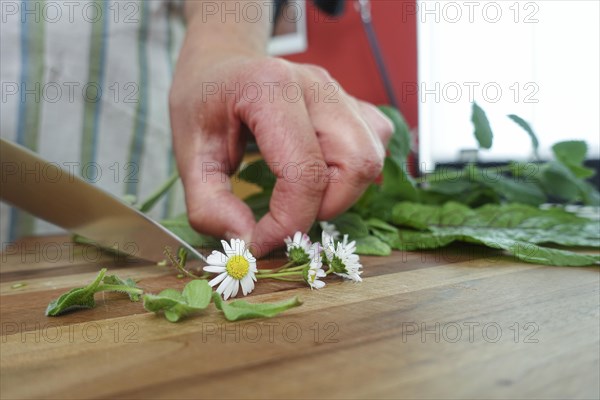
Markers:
point(237, 267)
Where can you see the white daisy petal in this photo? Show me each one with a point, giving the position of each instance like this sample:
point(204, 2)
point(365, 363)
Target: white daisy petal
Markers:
point(214, 268)
point(224, 284)
point(247, 285)
point(229, 289)
point(218, 279)
point(236, 288)
point(217, 258)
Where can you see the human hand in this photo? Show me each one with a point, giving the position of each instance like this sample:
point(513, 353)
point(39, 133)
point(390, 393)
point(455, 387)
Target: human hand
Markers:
point(324, 149)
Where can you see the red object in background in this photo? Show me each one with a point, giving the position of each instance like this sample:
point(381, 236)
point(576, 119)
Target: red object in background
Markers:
point(340, 45)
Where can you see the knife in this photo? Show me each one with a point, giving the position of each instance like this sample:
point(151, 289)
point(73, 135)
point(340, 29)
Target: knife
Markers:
point(58, 196)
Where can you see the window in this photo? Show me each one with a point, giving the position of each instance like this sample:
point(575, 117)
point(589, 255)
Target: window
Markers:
point(536, 59)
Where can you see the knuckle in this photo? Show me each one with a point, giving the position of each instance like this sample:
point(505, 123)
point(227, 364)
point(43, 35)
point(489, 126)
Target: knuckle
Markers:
point(275, 69)
point(367, 168)
point(320, 73)
point(304, 177)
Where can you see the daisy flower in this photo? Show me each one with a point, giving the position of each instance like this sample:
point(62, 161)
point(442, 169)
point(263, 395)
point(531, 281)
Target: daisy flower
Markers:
point(315, 268)
point(298, 248)
point(237, 267)
point(343, 260)
point(330, 229)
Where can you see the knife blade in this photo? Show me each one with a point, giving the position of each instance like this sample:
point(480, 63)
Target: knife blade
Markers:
point(62, 198)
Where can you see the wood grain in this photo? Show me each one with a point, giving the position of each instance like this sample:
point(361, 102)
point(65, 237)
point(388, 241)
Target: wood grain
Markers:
point(457, 323)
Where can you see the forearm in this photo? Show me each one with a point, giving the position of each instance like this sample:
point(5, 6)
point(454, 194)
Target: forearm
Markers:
point(228, 27)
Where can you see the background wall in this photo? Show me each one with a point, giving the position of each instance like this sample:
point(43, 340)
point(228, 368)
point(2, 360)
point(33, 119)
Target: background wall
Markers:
point(340, 45)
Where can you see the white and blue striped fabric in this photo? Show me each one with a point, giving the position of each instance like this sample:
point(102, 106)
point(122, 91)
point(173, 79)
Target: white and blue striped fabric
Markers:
point(85, 84)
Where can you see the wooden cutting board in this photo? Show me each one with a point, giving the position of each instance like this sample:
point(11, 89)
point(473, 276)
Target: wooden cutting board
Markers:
point(454, 323)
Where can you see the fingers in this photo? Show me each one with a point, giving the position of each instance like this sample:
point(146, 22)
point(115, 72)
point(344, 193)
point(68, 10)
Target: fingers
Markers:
point(379, 123)
point(352, 136)
point(212, 208)
point(206, 157)
point(288, 143)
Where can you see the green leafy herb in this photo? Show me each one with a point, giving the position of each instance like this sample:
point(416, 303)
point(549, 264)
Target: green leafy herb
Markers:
point(397, 182)
point(83, 297)
point(76, 298)
point(572, 154)
point(372, 246)
point(400, 142)
point(181, 227)
point(483, 130)
point(449, 195)
point(175, 305)
point(519, 229)
point(240, 309)
point(258, 173)
point(113, 280)
point(523, 124)
point(352, 225)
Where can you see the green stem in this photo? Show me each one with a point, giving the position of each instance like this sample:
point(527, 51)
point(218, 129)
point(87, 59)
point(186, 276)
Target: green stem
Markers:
point(118, 288)
point(284, 266)
point(279, 270)
point(276, 275)
point(159, 193)
point(289, 280)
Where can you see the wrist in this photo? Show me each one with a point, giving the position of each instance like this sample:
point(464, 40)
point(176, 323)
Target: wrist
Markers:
point(221, 28)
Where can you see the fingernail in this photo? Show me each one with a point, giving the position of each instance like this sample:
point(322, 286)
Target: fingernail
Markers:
point(233, 235)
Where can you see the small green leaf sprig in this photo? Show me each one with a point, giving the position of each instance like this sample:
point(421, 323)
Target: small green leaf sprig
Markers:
point(175, 305)
point(83, 297)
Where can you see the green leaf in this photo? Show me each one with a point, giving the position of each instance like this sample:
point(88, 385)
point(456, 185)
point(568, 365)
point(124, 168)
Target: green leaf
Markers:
point(384, 232)
point(197, 294)
point(572, 154)
point(508, 226)
point(240, 309)
point(380, 206)
point(181, 227)
point(483, 131)
point(372, 246)
point(259, 203)
point(400, 142)
point(378, 224)
point(259, 173)
point(397, 183)
point(195, 297)
point(533, 253)
point(352, 225)
point(558, 180)
point(410, 240)
point(523, 124)
point(127, 283)
point(512, 189)
point(76, 298)
point(363, 204)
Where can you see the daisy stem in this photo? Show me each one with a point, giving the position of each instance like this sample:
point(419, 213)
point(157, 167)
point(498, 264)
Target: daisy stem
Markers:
point(285, 267)
point(289, 279)
point(179, 265)
point(298, 268)
point(276, 275)
point(329, 271)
